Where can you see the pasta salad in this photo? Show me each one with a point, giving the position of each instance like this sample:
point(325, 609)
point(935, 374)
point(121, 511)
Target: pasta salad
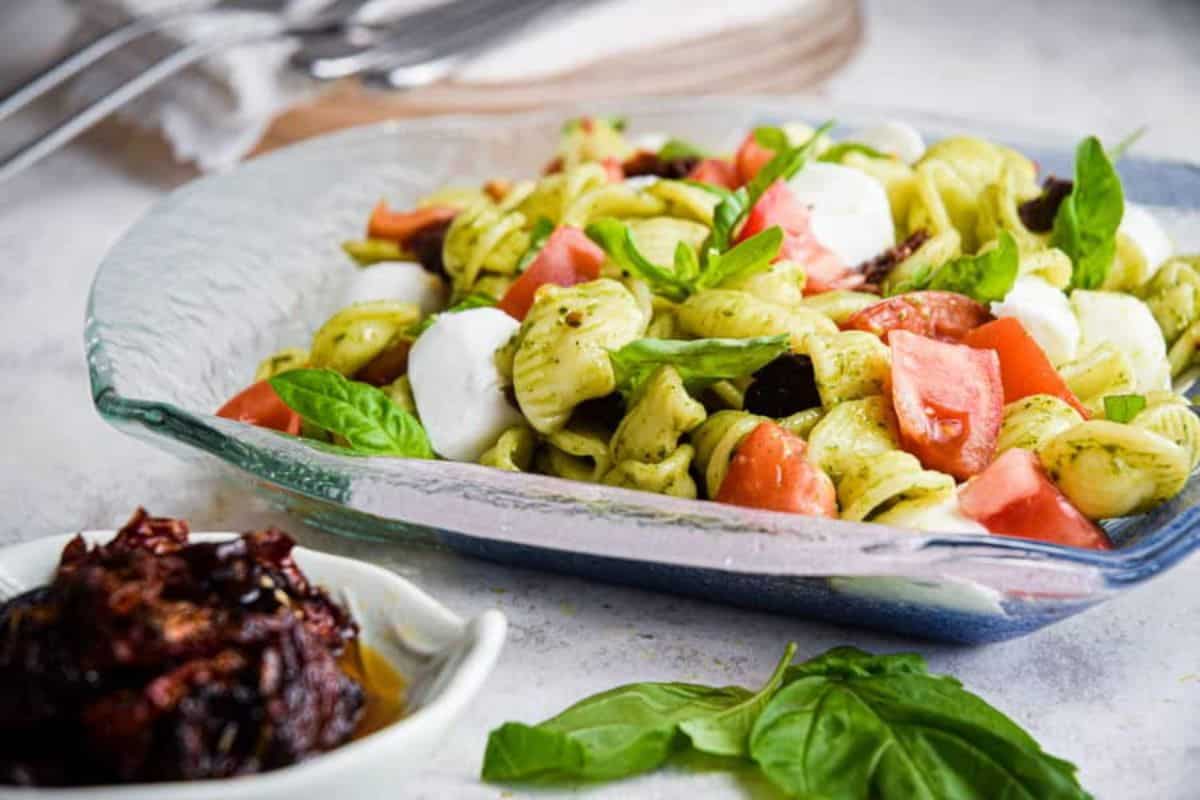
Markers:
point(866, 329)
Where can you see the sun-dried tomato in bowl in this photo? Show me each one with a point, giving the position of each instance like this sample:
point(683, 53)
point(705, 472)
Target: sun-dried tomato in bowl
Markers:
point(152, 659)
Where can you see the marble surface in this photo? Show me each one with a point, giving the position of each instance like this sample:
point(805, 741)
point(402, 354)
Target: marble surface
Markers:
point(1116, 690)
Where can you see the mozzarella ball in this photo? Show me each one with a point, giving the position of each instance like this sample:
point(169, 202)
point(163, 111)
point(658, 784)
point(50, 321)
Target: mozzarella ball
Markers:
point(1126, 323)
point(1148, 234)
point(1045, 313)
point(458, 390)
point(894, 138)
point(850, 211)
point(404, 281)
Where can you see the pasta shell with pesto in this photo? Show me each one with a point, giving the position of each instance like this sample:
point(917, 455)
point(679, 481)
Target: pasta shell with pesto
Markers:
point(579, 453)
point(1032, 421)
point(715, 442)
point(849, 365)
point(657, 237)
point(1109, 469)
point(870, 486)
point(851, 433)
point(354, 336)
point(1100, 372)
point(670, 476)
point(483, 239)
point(286, 359)
point(782, 284)
point(513, 451)
point(841, 304)
point(610, 200)
point(660, 414)
point(1171, 417)
point(730, 314)
point(562, 356)
point(685, 201)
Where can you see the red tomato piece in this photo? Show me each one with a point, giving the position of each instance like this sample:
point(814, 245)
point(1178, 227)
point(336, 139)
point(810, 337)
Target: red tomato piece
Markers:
point(1024, 367)
point(259, 405)
point(613, 169)
point(823, 270)
point(946, 316)
point(399, 226)
point(715, 172)
point(1015, 497)
point(568, 257)
point(770, 470)
point(751, 157)
point(949, 401)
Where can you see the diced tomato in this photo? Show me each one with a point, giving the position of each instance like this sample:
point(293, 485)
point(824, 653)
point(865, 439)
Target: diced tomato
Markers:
point(946, 316)
point(613, 169)
point(949, 402)
point(567, 258)
point(770, 470)
point(1024, 367)
point(715, 172)
point(399, 226)
point(751, 157)
point(823, 270)
point(259, 405)
point(1015, 497)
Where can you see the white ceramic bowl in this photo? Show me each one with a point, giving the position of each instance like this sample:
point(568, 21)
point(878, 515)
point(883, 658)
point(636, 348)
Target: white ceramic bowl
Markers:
point(444, 661)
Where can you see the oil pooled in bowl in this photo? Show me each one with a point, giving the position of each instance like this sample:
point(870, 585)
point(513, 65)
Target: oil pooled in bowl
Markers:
point(382, 684)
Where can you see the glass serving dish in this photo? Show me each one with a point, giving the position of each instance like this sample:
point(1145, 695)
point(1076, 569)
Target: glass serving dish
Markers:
point(230, 268)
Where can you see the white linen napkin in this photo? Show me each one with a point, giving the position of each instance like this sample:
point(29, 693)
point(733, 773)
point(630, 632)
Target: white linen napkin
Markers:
point(215, 113)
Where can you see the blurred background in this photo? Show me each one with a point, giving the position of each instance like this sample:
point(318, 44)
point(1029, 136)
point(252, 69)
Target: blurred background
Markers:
point(1097, 66)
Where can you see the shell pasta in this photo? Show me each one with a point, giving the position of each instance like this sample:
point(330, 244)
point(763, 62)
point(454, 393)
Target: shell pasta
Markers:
point(938, 338)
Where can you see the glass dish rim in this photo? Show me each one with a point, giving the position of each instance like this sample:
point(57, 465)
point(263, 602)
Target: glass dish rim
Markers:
point(1157, 551)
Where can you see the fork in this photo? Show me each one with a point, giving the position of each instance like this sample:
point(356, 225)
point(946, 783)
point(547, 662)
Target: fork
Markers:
point(330, 16)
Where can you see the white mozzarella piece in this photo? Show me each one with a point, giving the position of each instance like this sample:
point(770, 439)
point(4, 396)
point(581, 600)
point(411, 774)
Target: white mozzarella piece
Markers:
point(850, 211)
point(1125, 322)
point(895, 138)
point(639, 182)
point(1148, 234)
point(458, 389)
point(1045, 313)
point(650, 141)
point(941, 517)
point(404, 281)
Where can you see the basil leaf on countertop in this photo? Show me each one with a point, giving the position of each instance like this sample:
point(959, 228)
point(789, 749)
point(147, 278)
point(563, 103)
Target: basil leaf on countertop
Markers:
point(858, 727)
point(742, 260)
point(1085, 227)
point(1123, 407)
point(699, 361)
point(364, 416)
point(615, 239)
point(727, 733)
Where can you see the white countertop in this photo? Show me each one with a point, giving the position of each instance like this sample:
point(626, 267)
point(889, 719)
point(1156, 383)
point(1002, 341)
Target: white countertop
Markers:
point(1116, 690)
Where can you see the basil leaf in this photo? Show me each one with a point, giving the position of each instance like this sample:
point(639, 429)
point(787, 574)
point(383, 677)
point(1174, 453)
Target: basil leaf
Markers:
point(850, 662)
point(699, 361)
point(918, 281)
point(363, 415)
point(614, 238)
point(611, 735)
point(1118, 151)
point(786, 163)
point(858, 727)
point(726, 216)
point(473, 300)
point(1123, 407)
point(675, 149)
point(772, 138)
point(747, 258)
point(537, 240)
point(837, 152)
point(1085, 227)
point(727, 733)
point(687, 264)
point(986, 277)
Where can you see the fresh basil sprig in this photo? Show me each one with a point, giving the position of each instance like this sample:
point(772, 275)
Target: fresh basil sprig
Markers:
point(361, 414)
point(837, 152)
point(699, 362)
point(538, 235)
point(986, 277)
point(687, 273)
point(626, 730)
point(1118, 151)
point(1123, 407)
point(473, 300)
point(1085, 227)
point(844, 725)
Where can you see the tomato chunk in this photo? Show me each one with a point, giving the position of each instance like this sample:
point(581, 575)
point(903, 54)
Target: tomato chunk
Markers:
point(946, 316)
point(770, 470)
point(1015, 497)
point(567, 258)
point(751, 157)
point(1024, 367)
point(823, 270)
point(949, 401)
point(259, 405)
point(399, 226)
point(715, 172)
